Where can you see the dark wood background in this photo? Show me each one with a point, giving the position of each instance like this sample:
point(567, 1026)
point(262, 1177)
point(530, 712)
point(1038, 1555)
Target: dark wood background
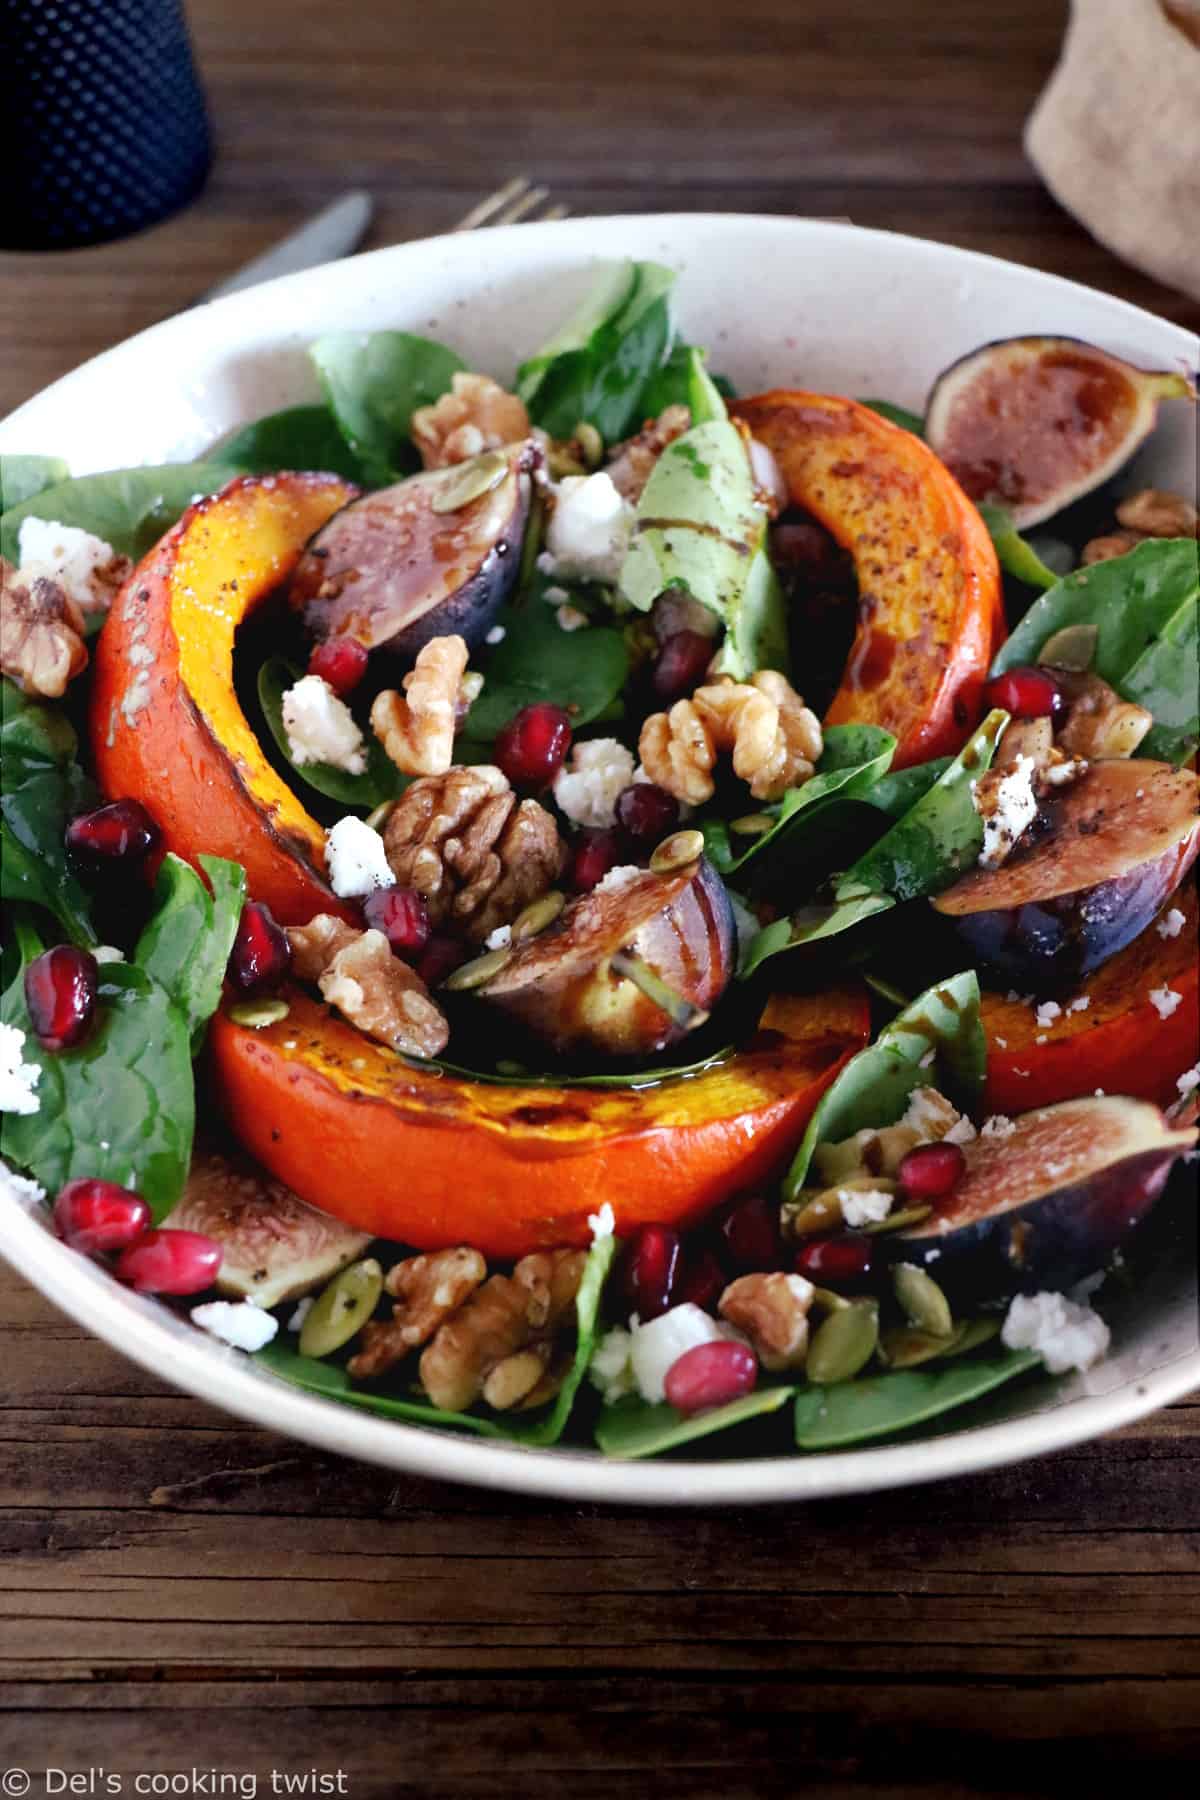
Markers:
point(180, 1590)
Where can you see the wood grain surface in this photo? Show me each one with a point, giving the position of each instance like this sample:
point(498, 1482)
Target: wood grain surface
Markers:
point(179, 1591)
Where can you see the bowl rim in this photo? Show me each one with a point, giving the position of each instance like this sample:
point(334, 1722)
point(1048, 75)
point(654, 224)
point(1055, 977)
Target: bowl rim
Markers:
point(202, 1367)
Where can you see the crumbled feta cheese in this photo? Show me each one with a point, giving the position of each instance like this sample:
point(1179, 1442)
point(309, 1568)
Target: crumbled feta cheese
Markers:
point(863, 1206)
point(618, 878)
point(17, 1077)
point(496, 635)
point(998, 1126)
point(611, 1367)
point(659, 1344)
point(570, 618)
point(303, 1308)
point(929, 1114)
point(586, 787)
point(1048, 1011)
point(1189, 1081)
point(1164, 1000)
point(320, 727)
point(1059, 774)
point(355, 858)
point(1064, 1334)
point(236, 1322)
point(1015, 810)
point(20, 1188)
point(602, 1224)
point(931, 1255)
point(1172, 924)
point(500, 939)
point(1080, 1003)
point(108, 953)
point(962, 1132)
point(553, 596)
point(589, 530)
point(69, 556)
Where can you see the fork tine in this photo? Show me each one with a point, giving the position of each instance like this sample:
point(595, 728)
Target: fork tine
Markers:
point(518, 208)
point(482, 213)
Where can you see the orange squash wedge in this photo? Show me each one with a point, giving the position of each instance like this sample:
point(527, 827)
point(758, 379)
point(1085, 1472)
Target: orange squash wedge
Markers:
point(930, 599)
point(166, 726)
point(1119, 1041)
point(431, 1159)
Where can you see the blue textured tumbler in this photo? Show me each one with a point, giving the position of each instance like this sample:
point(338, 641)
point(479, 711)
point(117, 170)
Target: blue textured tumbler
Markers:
point(103, 127)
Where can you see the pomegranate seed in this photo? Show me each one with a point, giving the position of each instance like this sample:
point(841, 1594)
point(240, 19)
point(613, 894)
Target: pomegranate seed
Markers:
point(403, 917)
point(931, 1171)
point(60, 992)
point(651, 1265)
point(1026, 694)
point(749, 1230)
point(93, 1215)
point(593, 854)
point(533, 746)
point(681, 664)
point(170, 1262)
point(261, 955)
point(831, 1261)
point(710, 1375)
point(440, 957)
point(702, 1281)
point(340, 661)
point(123, 831)
point(646, 813)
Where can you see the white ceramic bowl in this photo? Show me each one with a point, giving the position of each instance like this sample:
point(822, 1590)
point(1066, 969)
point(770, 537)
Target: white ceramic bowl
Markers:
point(779, 301)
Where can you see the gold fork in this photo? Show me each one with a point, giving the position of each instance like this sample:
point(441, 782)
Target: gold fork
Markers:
point(518, 199)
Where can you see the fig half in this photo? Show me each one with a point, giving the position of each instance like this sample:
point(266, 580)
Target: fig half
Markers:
point(276, 1245)
point(1033, 423)
point(433, 555)
point(1090, 874)
point(627, 969)
point(1046, 1203)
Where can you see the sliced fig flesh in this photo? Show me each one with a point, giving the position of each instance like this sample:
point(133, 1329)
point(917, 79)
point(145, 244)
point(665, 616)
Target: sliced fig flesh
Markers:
point(627, 969)
point(1033, 423)
point(1048, 1203)
point(1087, 879)
point(276, 1245)
point(398, 567)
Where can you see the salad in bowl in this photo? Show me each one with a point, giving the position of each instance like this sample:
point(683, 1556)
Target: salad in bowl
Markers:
point(567, 903)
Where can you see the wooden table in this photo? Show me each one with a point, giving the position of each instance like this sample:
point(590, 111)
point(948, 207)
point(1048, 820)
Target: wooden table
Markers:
point(180, 1590)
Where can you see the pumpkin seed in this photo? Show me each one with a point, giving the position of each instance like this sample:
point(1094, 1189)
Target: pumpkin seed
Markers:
point(591, 444)
point(342, 1308)
point(905, 1347)
point(843, 1344)
point(259, 1013)
point(895, 1221)
point(560, 462)
point(1071, 648)
point(922, 1300)
point(475, 974)
point(470, 687)
point(382, 813)
point(971, 1333)
point(469, 481)
point(828, 1301)
point(677, 851)
point(753, 824)
point(537, 916)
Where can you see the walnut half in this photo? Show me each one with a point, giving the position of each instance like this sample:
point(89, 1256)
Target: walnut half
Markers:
point(772, 1310)
point(416, 728)
point(476, 415)
point(358, 974)
point(484, 1349)
point(41, 634)
point(428, 1290)
point(774, 739)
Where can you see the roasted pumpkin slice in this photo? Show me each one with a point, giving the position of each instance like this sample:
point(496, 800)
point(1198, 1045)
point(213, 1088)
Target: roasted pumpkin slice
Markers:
point(166, 726)
point(929, 608)
point(430, 1159)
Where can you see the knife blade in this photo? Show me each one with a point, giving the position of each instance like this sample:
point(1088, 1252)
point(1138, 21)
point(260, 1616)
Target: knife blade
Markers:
point(335, 231)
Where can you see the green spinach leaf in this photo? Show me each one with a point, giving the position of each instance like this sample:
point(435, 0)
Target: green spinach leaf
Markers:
point(186, 942)
point(894, 794)
point(853, 759)
point(1017, 555)
point(42, 788)
point(24, 477)
point(876, 1406)
point(299, 437)
point(897, 415)
point(631, 1428)
point(1146, 610)
point(684, 380)
point(121, 1106)
point(599, 366)
point(873, 1088)
point(809, 925)
point(381, 780)
point(374, 382)
point(582, 671)
point(129, 508)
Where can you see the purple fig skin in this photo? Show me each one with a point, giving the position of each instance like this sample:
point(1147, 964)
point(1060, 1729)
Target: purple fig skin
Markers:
point(562, 986)
point(392, 573)
point(1054, 1238)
